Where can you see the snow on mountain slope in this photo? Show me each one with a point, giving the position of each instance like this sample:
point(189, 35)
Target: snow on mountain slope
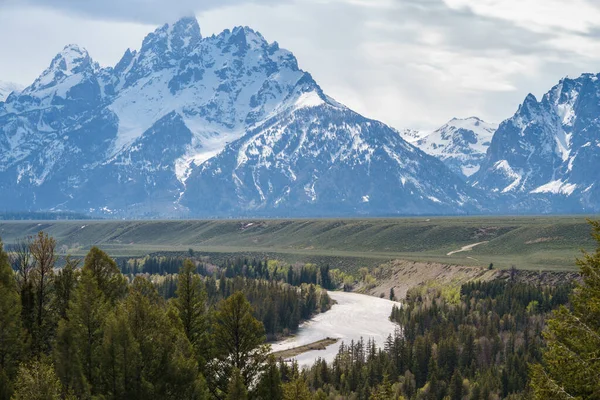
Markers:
point(412, 135)
point(461, 144)
point(546, 156)
point(325, 160)
point(141, 138)
point(7, 88)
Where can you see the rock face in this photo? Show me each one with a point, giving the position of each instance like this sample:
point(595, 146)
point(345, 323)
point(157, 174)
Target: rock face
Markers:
point(546, 157)
point(226, 125)
point(461, 144)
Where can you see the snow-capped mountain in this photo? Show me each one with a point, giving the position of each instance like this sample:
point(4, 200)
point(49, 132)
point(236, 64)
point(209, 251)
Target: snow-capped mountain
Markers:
point(546, 157)
point(319, 159)
point(461, 144)
point(222, 125)
point(6, 88)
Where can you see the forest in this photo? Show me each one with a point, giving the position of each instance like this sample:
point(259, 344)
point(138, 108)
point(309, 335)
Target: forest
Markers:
point(89, 331)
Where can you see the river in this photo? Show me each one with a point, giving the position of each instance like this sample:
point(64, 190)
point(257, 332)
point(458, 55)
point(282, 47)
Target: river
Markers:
point(354, 316)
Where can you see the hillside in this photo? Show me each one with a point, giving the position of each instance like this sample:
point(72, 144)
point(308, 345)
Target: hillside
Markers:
point(526, 242)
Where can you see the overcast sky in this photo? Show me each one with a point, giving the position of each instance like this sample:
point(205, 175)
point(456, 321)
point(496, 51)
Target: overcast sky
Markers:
point(410, 63)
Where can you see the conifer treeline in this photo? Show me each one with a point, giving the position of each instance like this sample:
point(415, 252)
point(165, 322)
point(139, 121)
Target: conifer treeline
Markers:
point(279, 306)
point(254, 268)
point(476, 347)
point(92, 332)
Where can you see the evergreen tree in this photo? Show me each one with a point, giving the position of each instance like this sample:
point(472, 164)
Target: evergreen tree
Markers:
point(64, 284)
point(167, 367)
point(191, 307)
point(83, 331)
point(42, 250)
point(23, 263)
point(106, 273)
point(239, 341)
point(269, 386)
point(10, 326)
point(120, 357)
point(456, 386)
point(384, 391)
point(297, 389)
point(571, 361)
point(236, 389)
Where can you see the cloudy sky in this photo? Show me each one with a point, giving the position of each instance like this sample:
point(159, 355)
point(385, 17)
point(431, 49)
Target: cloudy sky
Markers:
point(410, 63)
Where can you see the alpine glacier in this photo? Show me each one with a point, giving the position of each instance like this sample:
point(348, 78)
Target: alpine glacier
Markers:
point(226, 125)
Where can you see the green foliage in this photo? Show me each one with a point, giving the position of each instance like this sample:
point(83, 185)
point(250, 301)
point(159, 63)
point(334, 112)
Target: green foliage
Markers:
point(239, 344)
point(64, 286)
point(192, 311)
point(384, 391)
point(106, 273)
point(269, 386)
point(571, 360)
point(42, 249)
point(37, 381)
point(11, 331)
point(296, 389)
point(236, 389)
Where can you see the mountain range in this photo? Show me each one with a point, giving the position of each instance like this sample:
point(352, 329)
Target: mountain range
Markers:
point(230, 126)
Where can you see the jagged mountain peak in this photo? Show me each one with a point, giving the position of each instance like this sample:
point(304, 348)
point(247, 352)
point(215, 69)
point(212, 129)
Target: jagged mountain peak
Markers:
point(173, 38)
point(71, 60)
point(185, 118)
point(71, 67)
point(461, 143)
point(544, 154)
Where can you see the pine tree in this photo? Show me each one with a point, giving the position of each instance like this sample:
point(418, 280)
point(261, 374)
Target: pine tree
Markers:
point(23, 262)
point(10, 326)
point(297, 389)
point(191, 307)
point(120, 356)
point(456, 386)
point(571, 361)
point(167, 366)
point(384, 391)
point(80, 338)
point(64, 284)
point(269, 386)
point(239, 341)
point(43, 253)
point(236, 389)
point(106, 273)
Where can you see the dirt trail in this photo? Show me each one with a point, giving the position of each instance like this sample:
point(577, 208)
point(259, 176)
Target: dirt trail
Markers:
point(466, 248)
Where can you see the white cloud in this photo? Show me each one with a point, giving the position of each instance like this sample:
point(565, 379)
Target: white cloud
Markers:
point(538, 15)
point(410, 63)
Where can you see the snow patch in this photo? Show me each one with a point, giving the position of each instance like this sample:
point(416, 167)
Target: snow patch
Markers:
point(556, 187)
point(308, 100)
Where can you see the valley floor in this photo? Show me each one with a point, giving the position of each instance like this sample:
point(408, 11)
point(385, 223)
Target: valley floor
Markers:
point(532, 243)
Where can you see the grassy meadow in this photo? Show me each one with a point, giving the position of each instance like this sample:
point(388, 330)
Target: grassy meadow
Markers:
point(534, 243)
